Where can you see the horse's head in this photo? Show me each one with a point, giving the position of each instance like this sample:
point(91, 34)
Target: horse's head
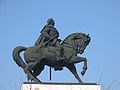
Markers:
point(80, 42)
point(83, 44)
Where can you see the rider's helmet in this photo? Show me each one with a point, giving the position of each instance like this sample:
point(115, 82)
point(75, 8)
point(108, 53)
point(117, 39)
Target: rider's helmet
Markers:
point(50, 21)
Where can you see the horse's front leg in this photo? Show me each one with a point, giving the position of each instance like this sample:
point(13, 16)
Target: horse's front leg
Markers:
point(84, 66)
point(72, 68)
point(77, 59)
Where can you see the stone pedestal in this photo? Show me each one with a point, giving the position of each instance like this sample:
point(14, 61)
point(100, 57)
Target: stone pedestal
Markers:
point(60, 86)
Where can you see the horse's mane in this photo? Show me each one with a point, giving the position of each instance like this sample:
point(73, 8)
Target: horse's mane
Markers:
point(72, 35)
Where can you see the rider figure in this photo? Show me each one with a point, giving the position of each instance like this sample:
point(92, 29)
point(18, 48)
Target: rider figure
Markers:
point(49, 32)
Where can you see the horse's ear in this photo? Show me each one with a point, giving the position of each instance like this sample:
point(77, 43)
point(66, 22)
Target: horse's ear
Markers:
point(88, 35)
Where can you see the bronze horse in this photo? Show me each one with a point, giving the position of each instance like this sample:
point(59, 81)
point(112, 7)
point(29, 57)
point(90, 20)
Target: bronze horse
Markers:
point(35, 61)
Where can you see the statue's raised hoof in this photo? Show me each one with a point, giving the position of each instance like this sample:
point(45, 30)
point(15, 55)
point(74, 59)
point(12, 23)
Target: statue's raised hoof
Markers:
point(82, 73)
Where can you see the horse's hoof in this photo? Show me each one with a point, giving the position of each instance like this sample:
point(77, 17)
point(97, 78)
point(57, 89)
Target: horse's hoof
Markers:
point(82, 73)
point(37, 81)
point(81, 82)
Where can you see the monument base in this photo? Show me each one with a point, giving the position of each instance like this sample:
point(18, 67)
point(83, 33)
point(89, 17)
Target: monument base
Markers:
point(60, 86)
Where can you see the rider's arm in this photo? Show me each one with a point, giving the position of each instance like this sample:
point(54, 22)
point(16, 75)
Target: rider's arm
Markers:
point(45, 32)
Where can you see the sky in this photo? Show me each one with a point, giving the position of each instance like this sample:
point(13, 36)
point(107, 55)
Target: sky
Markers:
point(22, 20)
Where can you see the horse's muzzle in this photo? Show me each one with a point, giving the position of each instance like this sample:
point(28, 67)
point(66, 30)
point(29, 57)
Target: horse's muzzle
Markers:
point(81, 52)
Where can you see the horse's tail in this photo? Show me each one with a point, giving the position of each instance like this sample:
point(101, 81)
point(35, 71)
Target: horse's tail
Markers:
point(16, 56)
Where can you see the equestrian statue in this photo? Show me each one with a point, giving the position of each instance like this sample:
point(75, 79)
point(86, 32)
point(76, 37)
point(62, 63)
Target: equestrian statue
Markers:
point(53, 52)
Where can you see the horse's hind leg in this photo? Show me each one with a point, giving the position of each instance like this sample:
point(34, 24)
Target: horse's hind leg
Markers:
point(28, 71)
point(29, 68)
point(38, 69)
point(72, 68)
